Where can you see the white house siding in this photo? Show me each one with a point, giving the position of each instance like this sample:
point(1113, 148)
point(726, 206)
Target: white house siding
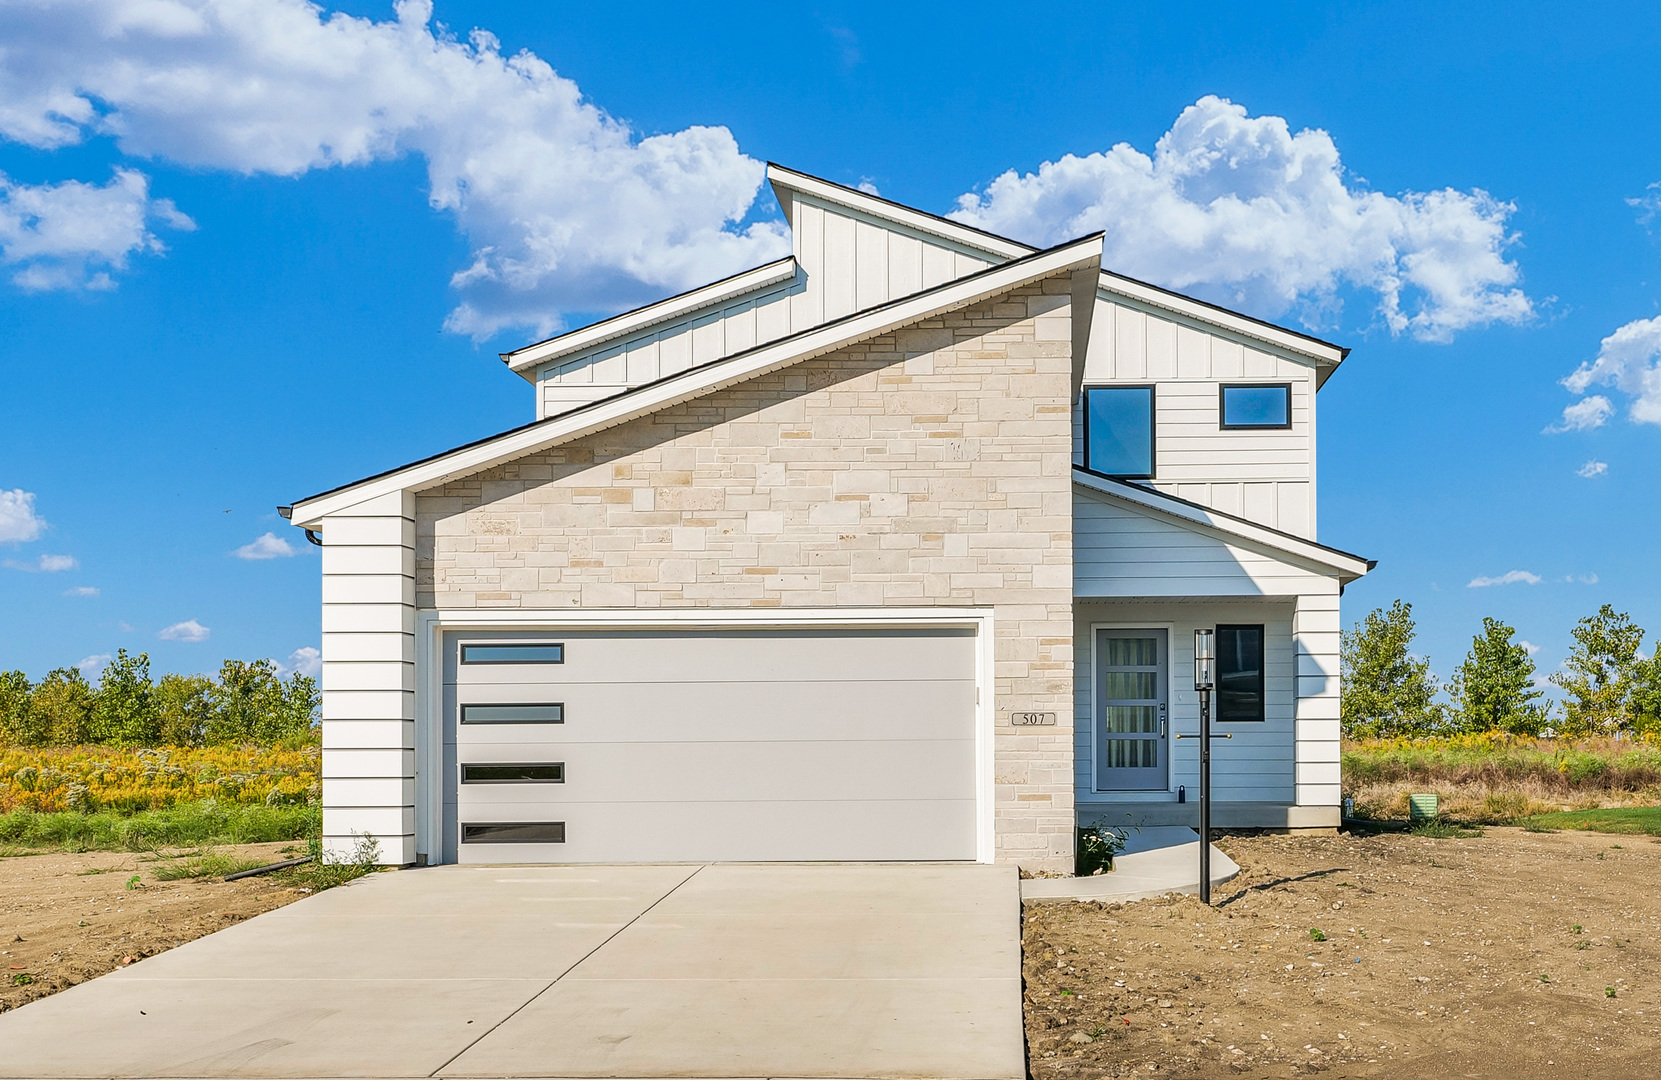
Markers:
point(369, 677)
point(848, 262)
point(1266, 476)
point(1134, 567)
point(1259, 763)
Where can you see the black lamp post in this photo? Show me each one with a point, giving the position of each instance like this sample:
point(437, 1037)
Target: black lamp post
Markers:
point(1205, 680)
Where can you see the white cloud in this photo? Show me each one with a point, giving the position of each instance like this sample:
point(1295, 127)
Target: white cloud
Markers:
point(1528, 646)
point(1648, 204)
point(1582, 579)
point(567, 208)
point(1584, 415)
point(18, 521)
point(82, 590)
point(45, 564)
point(72, 235)
point(1629, 360)
point(305, 660)
point(268, 546)
point(189, 630)
point(92, 665)
point(1245, 211)
point(1510, 577)
point(1592, 470)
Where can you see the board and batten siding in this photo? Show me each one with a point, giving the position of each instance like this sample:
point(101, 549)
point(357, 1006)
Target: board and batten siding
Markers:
point(1264, 476)
point(846, 263)
point(369, 678)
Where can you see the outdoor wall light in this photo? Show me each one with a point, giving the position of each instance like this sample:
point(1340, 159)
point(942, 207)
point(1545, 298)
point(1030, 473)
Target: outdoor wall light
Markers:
point(1205, 660)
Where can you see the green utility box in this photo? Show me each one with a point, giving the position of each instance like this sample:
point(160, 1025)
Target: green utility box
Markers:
point(1421, 807)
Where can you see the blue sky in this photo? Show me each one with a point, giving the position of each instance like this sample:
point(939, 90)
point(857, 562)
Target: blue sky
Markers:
point(246, 256)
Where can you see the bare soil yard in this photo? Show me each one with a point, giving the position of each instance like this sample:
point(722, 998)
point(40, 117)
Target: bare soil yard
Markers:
point(1509, 955)
point(65, 919)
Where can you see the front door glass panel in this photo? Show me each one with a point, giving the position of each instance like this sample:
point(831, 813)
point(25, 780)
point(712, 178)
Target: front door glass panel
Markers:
point(1131, 728)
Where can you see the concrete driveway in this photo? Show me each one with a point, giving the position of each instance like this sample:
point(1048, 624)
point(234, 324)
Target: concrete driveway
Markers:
point(725, 970)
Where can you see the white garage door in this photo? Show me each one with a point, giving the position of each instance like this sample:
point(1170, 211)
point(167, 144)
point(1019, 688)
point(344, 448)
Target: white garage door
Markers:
point(730, 745)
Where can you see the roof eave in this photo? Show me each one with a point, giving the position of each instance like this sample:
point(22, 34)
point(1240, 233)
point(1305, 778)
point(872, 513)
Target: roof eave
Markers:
point(1343, 565)
point(1083, 255)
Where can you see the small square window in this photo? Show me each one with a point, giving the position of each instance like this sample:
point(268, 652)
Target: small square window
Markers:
point(1239, 673)
point(1119, 431)
point(1257, 405)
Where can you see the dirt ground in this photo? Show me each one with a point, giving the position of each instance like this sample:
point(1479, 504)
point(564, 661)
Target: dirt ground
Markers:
point(65, 919)
point(1512, 955)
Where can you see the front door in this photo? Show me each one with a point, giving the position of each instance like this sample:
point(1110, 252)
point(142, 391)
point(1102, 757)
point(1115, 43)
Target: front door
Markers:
point(1131, 728)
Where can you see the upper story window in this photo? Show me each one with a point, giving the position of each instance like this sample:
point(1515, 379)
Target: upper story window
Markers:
point(1256, 405)
point(1119, 431)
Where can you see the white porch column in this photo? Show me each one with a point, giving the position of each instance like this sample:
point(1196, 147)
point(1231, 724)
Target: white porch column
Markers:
point(1315, 633)
point(369, 678)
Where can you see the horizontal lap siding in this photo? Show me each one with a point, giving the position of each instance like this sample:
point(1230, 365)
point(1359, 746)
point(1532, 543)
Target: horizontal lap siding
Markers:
point(1259, 763)
point(1265, 476)
point(1318, 625)
point(1121, 553)
point(369, 678)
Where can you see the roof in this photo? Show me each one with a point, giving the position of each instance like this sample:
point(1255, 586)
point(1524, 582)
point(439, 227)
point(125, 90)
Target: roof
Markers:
point(1082, 255)
point(785, 181)
point(1343, 565)
point(627, 323)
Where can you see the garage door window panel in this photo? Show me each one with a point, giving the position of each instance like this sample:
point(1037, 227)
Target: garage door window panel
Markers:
point(519, 832)
point(552, 772)
point(545, 713)
point(538, 652)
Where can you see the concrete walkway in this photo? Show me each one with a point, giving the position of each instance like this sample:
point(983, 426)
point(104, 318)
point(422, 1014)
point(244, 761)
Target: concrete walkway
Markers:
point(1157, 861)
point(814, 970)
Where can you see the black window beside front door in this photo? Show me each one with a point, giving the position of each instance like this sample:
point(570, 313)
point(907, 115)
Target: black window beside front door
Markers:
point(1239, 673)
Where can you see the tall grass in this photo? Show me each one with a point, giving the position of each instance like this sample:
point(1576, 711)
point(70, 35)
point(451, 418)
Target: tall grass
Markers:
point(186, 825)
point(1498, 777)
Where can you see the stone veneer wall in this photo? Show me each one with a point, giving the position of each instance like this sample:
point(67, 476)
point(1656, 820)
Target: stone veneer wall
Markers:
point(928, 467)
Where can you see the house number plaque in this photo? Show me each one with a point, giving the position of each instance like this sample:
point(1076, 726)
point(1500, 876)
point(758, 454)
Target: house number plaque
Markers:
point(1032, 719)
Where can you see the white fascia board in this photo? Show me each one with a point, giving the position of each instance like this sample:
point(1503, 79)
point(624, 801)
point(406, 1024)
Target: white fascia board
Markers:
point(630, 322)
point(996, 247)
point(1340, 564)
point(1114, 287)
point(1079, 255)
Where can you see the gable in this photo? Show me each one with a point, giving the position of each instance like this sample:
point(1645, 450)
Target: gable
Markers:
point(853, 478)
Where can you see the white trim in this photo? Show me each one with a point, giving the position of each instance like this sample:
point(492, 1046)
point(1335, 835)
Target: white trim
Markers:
point(995, 247)
point(1111, 285)
point(1346, 568)
point(429, 692)
point(643, 318)
point(698, 381)
point(1170, 732)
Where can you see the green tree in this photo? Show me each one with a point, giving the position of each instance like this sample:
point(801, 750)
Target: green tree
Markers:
point(62, 708)
point(1386, 689)
point(123, 708)
point(249, 703)
point(183, 705)
point(1603, 671)
point(17, 725)
point(1493, 690)
point(1646, 694)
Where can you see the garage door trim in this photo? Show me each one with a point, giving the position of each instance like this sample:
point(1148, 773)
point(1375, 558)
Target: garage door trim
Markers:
point(431, 625)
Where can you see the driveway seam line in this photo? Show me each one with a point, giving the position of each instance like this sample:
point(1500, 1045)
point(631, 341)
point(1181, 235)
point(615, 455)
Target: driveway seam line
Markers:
point(578, 962)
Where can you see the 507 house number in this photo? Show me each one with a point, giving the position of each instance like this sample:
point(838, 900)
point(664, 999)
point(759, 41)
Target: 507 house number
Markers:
point(1032, 719)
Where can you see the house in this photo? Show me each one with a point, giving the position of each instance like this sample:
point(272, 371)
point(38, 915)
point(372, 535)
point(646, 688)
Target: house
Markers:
point(892, 549)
